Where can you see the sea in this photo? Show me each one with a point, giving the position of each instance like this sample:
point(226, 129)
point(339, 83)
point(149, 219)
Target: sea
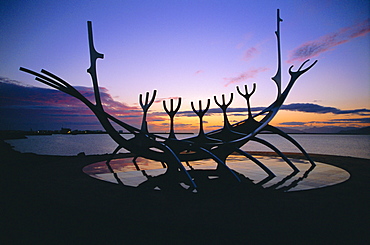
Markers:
point(92, 144)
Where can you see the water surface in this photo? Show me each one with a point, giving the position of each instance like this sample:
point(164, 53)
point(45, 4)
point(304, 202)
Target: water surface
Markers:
point(58, 144)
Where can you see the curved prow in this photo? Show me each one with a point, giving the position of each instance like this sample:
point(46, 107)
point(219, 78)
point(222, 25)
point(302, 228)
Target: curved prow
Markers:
point(274, 107)
point(294, 75)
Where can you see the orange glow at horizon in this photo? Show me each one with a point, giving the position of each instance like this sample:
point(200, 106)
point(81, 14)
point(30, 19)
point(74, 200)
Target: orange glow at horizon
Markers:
point(288, 119)
point(304, 119)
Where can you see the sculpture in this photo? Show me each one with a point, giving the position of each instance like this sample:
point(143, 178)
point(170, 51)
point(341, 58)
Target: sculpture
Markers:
point(216, 145)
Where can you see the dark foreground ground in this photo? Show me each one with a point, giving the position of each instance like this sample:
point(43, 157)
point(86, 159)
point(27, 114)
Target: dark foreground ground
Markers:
point(48, 200)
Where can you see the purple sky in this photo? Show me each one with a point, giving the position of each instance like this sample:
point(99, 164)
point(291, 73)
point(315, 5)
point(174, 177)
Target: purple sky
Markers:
point(189, 49)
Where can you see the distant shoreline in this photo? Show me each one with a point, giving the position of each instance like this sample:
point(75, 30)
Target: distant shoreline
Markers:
point(19, 134)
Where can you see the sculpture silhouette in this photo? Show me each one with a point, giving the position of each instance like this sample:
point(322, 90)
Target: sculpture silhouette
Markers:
point(216, 145)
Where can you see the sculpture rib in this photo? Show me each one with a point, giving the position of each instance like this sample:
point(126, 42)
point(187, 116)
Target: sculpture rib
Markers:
point(271, 146)
point(293, 141)
point(256, 161)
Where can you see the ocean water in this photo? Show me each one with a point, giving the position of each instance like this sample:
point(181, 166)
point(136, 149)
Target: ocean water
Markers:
point(67, 145)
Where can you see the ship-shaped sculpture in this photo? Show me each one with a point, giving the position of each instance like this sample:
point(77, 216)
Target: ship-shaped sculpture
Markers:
point(173, 152)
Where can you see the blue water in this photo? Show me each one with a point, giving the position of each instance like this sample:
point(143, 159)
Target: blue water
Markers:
point(341, 145)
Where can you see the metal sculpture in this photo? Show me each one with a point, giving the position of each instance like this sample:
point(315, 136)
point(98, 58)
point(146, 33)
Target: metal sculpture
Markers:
point(172, 152)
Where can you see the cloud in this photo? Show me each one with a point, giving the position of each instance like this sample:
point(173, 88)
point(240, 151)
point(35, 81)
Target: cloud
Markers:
point(293, 123)
point(329, 42)
point(24, 106)
point(315, 108)
point(352, 120)
point(251, 73)
point(198, 72)
point(175, 100)
point(250, 53)
point(331, 126)
point(344, 121)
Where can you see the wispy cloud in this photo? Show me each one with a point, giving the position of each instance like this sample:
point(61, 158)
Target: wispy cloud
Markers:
point(251, 73)
point(159, 100)
point(250, 53)
point(198, 72)
point(329, 42)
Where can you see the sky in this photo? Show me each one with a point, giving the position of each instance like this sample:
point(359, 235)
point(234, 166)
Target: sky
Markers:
point(193, 49)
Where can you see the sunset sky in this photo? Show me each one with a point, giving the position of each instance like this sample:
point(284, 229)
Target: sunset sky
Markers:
point(193, 49)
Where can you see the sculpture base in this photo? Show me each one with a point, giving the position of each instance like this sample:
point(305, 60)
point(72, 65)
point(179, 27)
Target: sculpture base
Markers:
point(137, 174)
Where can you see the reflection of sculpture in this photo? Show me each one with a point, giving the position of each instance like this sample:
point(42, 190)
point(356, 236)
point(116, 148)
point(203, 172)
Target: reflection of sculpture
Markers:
point(216, 145)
